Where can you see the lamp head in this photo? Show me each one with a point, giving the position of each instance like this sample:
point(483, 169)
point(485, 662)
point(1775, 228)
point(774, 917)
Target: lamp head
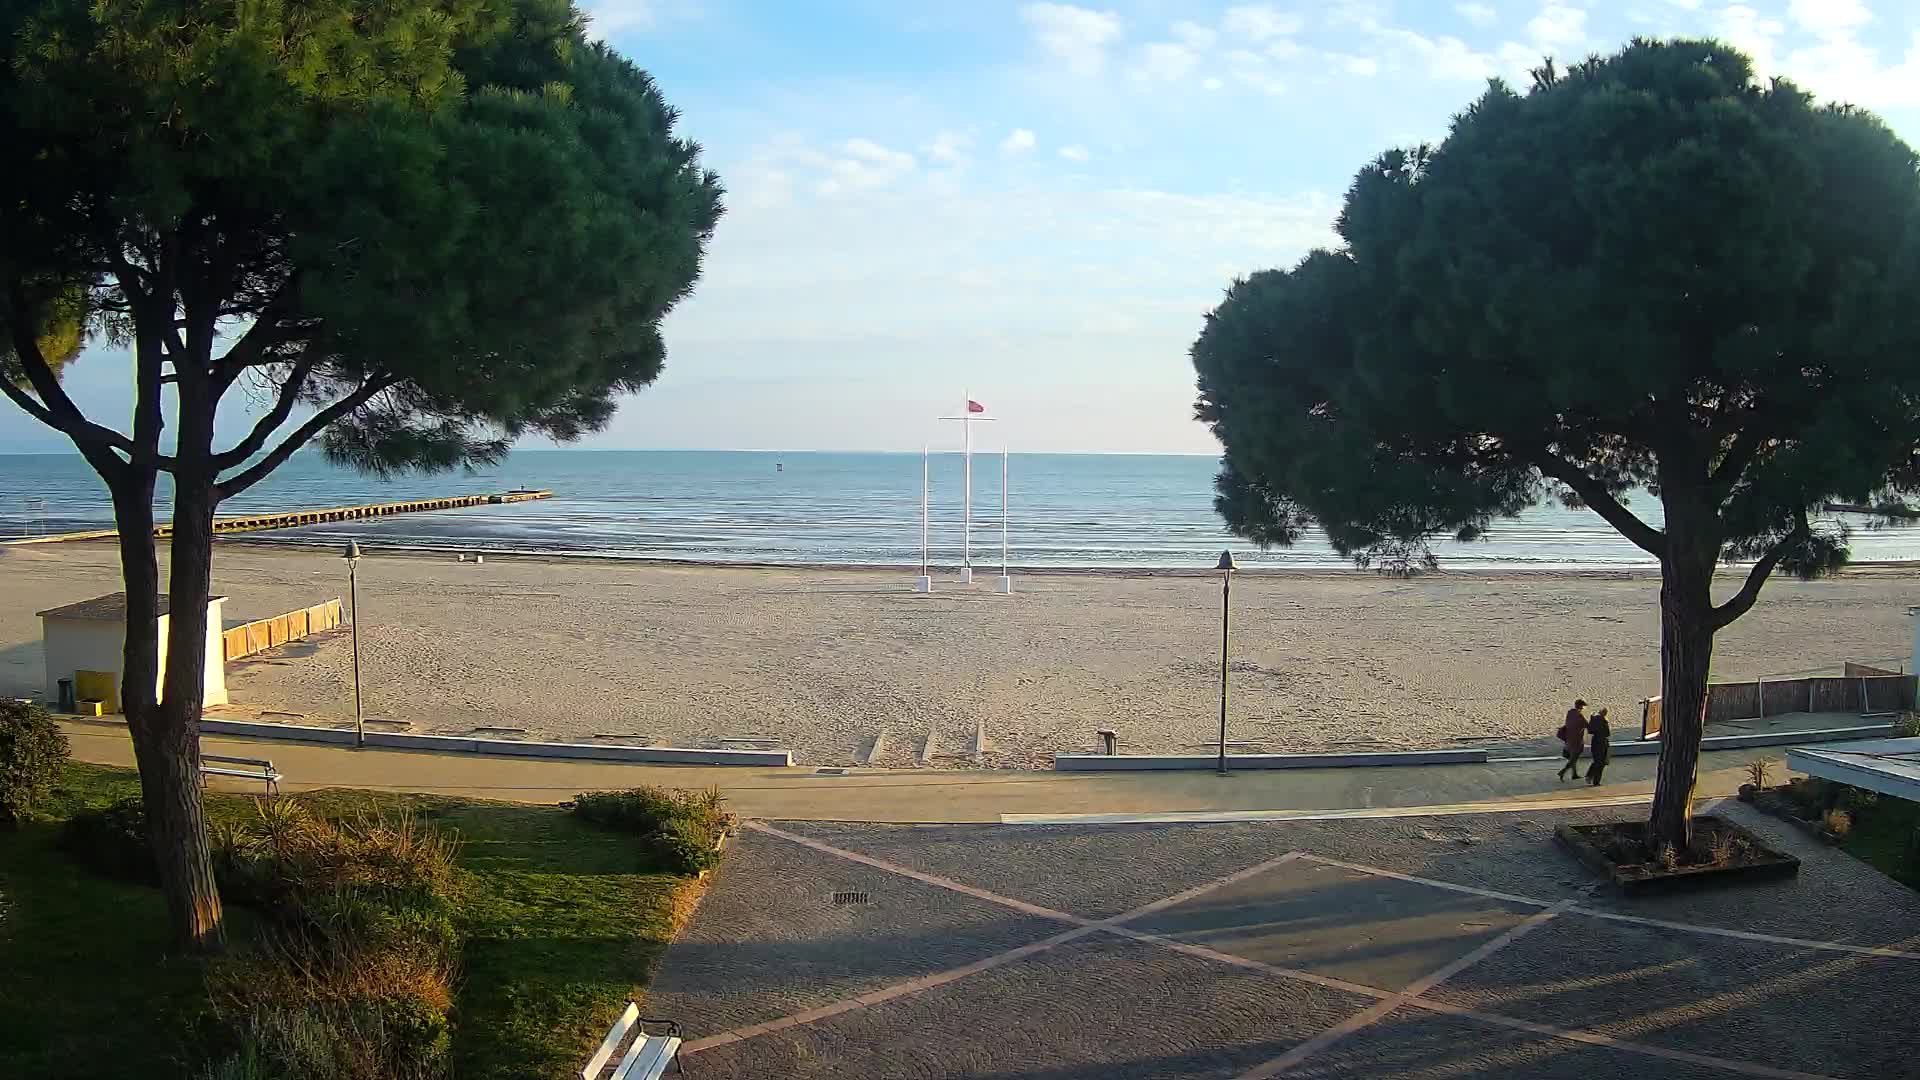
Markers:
point(352, 552)
point(1227, 565)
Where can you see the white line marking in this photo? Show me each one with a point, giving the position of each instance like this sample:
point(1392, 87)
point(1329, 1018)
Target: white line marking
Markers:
point(1748, 935)
point(1202, 817)
point(1431, 883)
point(1594, 1038)
point(1380, 1010)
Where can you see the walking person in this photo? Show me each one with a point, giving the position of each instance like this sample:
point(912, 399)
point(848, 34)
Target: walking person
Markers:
point(1601, 735)
point(1573, 738)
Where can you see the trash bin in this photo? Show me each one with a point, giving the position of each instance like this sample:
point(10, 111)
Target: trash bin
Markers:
point(66, 696)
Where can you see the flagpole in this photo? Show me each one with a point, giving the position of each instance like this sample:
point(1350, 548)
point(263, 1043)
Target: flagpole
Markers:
point(966, 438)
point(1006, 575)
point(924, 583)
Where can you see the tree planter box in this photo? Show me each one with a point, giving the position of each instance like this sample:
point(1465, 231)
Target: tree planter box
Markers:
point(1767, 801)
point(1757, 863)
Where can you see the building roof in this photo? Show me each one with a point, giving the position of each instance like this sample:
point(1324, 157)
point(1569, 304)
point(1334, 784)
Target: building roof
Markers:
point(109, 608)
point(1888, 766)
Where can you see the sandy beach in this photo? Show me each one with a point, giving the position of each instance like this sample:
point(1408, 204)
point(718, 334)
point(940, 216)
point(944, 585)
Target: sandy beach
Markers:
point(822, 661)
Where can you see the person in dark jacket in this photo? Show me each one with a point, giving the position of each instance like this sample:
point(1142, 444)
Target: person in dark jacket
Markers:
point(1600, 737)
point(1573, 739)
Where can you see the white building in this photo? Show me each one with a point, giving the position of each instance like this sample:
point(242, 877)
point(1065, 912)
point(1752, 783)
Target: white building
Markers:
point(90, 636)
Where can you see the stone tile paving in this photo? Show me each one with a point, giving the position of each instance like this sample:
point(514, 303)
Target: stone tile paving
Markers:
point(768, 940)
point(1802, 1009)
point(767, 944)
point(1416, 1045)
point(1338, 922)
point(1100, 1008)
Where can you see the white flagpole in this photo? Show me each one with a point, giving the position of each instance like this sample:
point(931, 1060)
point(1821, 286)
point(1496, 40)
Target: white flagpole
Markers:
point(1006, 575)
point(966, 518)
point(924, 583)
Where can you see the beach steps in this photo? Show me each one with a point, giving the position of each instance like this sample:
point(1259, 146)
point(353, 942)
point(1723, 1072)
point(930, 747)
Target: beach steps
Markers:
point(293, 519)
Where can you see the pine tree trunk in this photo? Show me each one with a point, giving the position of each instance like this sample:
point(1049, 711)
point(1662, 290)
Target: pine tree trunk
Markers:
point(1686, 660)
point(174, 812)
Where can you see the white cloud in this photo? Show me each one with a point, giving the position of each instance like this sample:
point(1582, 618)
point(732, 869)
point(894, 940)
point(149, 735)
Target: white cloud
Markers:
point(1688, 5)
point(1211, 84)
point(1557, 26)
point(951, 148)
point(1165, 61)
point(1258, 22)
point(1018, 141)
point(769, 177)
point(1829, 18)
point(1076, 35)
point(1076, 152)
point(1477, 14)
point(1354, 65)
point(1744, 29)
point(1252, 69)
point(1193, 35)
point(605, 17)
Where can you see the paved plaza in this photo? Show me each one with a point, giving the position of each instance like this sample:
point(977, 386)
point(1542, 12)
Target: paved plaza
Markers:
point(1447, 946)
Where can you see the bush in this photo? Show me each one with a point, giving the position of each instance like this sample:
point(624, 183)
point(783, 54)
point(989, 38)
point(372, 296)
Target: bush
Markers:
point(1757, 772)
point(1907, 725)
point(1837, 824)
point(355, 978)
point(32, 751)
point(680, 828)
point(112, 840)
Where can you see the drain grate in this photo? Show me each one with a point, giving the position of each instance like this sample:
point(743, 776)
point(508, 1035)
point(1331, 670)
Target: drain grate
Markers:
point(844, 899)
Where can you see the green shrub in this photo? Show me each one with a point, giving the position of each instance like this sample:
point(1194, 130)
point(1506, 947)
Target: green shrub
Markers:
point(679, 828)
point(685, 846)
point(32, 752)
point(1907, 725)
point(640, 810)
point(112, 840)
point(355, 978)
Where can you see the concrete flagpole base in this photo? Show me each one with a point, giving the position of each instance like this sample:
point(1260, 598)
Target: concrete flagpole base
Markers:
point(1006, 585)
point(923, 583)
point(966, 575)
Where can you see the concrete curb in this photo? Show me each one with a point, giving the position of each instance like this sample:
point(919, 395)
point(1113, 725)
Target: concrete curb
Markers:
point(1771, 738)
point(1135, 762)
point(456, 744)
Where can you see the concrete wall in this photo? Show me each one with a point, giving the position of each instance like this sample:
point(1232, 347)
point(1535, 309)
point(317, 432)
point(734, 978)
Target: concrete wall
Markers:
point(98, 645)
point(261, 634)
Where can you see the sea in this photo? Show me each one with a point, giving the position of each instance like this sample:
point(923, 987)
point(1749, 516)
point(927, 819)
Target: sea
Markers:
point(1091, 511)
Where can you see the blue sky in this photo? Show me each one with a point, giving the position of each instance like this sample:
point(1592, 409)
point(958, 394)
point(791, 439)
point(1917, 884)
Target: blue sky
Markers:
point(1037, 202)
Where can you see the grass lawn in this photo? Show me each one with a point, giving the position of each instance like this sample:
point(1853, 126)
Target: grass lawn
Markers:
point(563, 924)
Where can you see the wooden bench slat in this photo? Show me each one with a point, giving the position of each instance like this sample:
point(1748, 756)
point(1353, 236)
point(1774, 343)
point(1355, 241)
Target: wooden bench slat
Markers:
point(648, 1059)
point(612, 1043)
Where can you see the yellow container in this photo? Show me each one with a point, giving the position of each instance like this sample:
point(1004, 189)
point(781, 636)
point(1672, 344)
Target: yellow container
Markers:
point(102, 687)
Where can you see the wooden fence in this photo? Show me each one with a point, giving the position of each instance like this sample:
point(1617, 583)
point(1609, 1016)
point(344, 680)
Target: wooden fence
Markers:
point(263, 634)
point(1757, 700)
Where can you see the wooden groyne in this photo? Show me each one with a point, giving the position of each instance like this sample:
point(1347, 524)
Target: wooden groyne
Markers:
point(293, 519)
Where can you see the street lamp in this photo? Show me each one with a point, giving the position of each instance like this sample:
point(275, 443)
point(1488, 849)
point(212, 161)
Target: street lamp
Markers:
point(352, 555)
point(1226, 566)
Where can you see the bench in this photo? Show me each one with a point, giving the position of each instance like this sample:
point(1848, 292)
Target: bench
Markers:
point(256, 769)
point(648, 1055)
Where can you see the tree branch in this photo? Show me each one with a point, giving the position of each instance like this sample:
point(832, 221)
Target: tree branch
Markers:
point(1595, 495)
point(268, 424)
point(1742, 602)
point(55, 409)
point(314, 425)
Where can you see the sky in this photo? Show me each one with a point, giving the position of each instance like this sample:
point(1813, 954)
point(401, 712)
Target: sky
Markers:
point(1035, 204)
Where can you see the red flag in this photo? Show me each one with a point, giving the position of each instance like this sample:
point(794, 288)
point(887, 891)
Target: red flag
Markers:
point(974, 406)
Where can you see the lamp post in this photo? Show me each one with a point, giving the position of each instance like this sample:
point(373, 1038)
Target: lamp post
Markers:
point(1226, 567)
point(352, 555)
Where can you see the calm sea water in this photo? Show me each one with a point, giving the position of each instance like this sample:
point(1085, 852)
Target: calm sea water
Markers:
point(1067, 510)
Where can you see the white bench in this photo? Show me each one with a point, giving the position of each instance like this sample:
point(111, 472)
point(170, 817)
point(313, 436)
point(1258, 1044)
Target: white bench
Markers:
point(257, 769)
point(647, 1056)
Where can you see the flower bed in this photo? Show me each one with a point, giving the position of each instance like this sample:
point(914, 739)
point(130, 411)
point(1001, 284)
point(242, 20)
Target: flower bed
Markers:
point(1722, 853)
